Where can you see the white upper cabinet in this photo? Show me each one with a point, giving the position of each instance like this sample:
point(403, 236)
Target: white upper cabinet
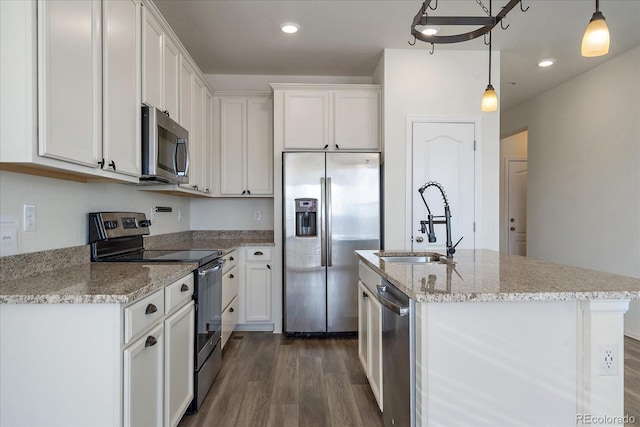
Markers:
point(328, 117)
point(70, 76)
point(171, 79)
point(121, 86)
point(152, 63)
point(160, 66)
point(306, 120)
point(246, 145)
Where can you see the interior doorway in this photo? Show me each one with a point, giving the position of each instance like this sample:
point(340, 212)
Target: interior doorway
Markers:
point(513, 194)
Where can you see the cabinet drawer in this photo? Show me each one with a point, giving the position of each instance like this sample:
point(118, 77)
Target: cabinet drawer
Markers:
point(143, 314)
point(178, 292)
point(369, 278)
point(230, 283)
point(229, 320)
point(231, 260)
point(258, 254)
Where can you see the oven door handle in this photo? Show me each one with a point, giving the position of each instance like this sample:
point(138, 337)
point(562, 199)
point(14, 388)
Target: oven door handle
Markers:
point(216, 267)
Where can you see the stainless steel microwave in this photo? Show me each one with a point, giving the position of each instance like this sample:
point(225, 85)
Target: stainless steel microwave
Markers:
point(165, 149)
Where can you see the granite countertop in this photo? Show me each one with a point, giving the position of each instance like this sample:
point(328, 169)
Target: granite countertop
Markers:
point(484, 275)
point(92, 282)
point(224, 240)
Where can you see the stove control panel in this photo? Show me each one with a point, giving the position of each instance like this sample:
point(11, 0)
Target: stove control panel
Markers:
point(113, 225)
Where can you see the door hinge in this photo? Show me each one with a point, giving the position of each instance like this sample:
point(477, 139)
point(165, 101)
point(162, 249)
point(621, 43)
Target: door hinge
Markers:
point(474, 226)
point(474, 145)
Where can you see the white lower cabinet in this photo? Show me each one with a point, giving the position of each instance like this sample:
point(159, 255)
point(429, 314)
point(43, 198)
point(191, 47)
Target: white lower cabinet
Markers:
point(257, 285)
point(178, 363)
point(100, 364)
point(229, 320)
point(143, 380)
point(230, 289)
point(370, 336)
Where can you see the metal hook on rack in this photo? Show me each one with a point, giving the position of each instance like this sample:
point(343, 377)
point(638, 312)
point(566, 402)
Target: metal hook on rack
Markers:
point(433, 48)
point(434, 7)
point(502, 25)
point(484, 36)
point(522, 9)
point(414, 41)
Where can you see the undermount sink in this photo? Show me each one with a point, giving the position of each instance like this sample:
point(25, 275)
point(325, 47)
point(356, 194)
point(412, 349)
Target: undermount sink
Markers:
point(430, 258)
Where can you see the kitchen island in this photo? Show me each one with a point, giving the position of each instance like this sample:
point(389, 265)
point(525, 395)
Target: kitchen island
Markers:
point(503, 340)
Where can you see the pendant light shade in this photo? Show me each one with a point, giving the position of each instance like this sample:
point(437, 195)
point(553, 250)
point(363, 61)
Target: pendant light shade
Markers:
point(489, 100)
point(595, 41)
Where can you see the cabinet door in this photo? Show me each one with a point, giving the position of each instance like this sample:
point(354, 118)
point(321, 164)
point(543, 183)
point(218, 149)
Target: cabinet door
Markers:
point(229, 320)
point(232, 146)
point(259, 153)
point(178, 356)
point(306, 120)
point(121, 147)
point(70, 73)
point(196, 132)
point(143, 385)
point(171, 78)
point(375, 348)
point(152, 64)
point(207, 142)
point(186, 119)
point(356, 120)
point(258, 292)
point(363, 326)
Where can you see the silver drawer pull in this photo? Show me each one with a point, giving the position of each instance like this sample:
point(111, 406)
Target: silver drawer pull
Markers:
point(258, 253)
point(184, 288)
point(151, 309)
point(151, 341)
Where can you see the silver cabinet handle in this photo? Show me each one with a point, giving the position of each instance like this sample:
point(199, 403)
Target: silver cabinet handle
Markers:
point(150, 342)
point(323, 232)
point(329, 225)
point(151, 309)
point(419, 239)
point(184, 288)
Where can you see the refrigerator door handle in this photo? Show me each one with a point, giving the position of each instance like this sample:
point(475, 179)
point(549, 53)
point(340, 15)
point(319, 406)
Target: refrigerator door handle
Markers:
point(323, 237)
point(329, 230)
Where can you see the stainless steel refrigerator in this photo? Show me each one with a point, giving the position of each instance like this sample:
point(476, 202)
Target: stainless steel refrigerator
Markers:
point(331, 208)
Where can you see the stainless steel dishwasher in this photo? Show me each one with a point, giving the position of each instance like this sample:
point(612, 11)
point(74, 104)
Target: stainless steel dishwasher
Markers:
point(398, 357)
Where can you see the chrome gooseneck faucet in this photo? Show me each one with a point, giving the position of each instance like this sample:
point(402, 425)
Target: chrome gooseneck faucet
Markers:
point(451, 248)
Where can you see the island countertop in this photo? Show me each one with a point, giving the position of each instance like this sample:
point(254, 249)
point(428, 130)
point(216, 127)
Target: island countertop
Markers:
point(485, 275)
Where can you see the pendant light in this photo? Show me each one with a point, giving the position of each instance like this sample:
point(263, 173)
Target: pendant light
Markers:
point(595, 41)
point(490, 97)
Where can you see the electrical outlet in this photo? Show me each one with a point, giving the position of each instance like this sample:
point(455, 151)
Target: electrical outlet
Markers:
point(29, 220)
point(257, 216)
point(607, 359)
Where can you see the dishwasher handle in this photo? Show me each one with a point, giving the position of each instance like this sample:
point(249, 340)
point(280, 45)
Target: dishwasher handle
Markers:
point(391, 302)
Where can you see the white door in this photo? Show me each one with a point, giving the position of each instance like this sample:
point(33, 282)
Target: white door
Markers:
point(444, 152)
point(517, 206)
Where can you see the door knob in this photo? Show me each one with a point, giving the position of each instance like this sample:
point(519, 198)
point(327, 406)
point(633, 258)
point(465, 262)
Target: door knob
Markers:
point(512, 220)
point(419, 239)
point(512, 228)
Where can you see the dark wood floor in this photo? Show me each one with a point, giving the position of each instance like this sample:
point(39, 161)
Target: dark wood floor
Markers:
point(269, 380)
point(632, 379)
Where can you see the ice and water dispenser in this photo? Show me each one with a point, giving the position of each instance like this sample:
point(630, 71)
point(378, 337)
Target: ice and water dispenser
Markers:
point(306, 217)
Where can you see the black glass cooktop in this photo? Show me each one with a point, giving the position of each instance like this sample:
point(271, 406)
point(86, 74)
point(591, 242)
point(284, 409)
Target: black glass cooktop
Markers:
point(200, 256)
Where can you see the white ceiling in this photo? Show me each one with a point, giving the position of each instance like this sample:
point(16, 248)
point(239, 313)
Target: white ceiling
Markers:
point(346, 38)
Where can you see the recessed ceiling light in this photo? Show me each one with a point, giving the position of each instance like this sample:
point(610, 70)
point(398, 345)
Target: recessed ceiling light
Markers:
point(290, 27)
point(431, 30)
point(546, 63)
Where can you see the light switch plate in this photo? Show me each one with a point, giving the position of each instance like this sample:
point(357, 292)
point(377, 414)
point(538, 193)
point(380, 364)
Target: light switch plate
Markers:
point(29, 220)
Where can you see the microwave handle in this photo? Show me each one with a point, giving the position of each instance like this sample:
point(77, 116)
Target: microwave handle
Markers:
point(175, 158)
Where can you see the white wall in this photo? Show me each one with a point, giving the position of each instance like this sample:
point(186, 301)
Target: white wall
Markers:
point(447, 84)
point(584, 171)
point(62, 208)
